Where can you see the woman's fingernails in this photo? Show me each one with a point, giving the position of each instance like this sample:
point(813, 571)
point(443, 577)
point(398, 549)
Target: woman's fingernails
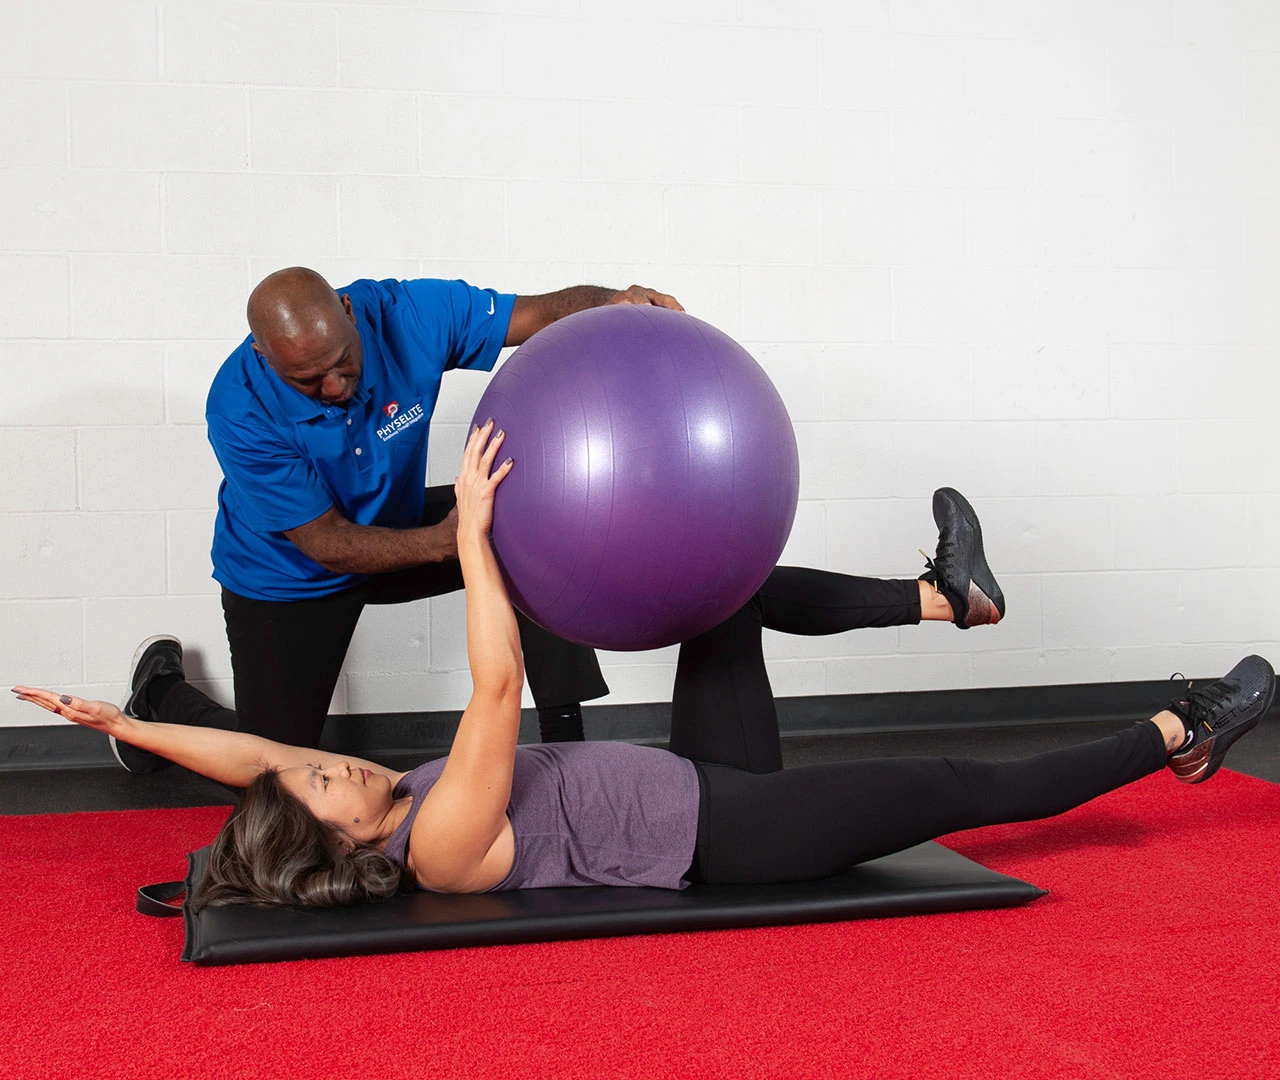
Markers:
point(500, 434)
point(65, 699)
point(507, 462)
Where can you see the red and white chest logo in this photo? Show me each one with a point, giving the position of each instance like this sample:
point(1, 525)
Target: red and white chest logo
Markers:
point(399, 419)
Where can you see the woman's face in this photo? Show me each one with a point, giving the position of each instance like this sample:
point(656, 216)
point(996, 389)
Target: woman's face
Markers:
point(355, 801)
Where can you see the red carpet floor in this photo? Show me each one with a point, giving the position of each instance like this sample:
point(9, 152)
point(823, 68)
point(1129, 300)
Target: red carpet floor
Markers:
point(1156, 954)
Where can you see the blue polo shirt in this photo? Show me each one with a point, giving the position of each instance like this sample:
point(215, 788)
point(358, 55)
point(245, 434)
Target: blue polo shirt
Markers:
point(287, 458)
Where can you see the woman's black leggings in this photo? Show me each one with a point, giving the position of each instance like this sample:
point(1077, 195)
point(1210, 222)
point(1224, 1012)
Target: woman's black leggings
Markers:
point(758, 823)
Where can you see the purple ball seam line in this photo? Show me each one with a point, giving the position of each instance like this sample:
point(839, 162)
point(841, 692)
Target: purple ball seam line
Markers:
point(563, 619)
point(660, 606)
point(520, 378)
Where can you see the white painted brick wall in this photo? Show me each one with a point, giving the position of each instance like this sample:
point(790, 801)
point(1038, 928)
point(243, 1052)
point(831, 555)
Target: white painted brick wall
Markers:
point(328, 131)
point(805, 147)
point(446, 52)
point(40, 469)
point(83, 383)
point(189, 368)
point(159, 297)
point(38, 294)
point(43, 641)
point(502, 137)
point(188, 537)
point(73, 39)
point(249, 43)
point(575, 59)
point(1040, 382)
point(67, 210)
point(713, 291)
point(570, 220)
point(33, 123)
point(403, 217)
point(177, 463)
point(165, 126)
point(72, 555)
point(744, 223)
point(1029, 250)
point(621, 142)
point(251, 213)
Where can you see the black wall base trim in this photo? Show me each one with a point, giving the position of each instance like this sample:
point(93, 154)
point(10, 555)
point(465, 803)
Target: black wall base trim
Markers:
point(371, 734)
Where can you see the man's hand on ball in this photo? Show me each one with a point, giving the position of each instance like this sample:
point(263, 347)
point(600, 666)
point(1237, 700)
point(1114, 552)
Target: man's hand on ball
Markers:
point(638, 294)
point(479, 480)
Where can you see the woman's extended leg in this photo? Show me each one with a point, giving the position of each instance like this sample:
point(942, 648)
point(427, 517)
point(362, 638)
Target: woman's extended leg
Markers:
point(819, 820)
point(816, 821)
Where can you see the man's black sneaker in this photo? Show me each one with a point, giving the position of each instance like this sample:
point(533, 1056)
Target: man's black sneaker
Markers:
point(1217, 714)
point(159, 655)
point(959, 569)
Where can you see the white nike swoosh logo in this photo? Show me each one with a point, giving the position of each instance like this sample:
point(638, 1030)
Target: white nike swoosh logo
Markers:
point(491, 305)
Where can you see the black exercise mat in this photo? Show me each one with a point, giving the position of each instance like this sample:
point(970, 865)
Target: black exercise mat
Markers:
point(922, 880)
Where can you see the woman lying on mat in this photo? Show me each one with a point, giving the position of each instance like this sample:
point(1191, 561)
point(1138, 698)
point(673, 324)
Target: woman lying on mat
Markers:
point(314, 828)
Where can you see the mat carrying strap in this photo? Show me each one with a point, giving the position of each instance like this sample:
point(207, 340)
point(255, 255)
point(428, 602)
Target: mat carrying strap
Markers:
point(152, 899)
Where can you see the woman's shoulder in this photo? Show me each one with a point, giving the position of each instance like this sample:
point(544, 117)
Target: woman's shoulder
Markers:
point(418, 781)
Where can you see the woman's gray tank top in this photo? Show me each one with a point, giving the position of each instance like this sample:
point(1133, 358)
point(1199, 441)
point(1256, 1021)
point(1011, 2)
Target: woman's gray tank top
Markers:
point(593, 813)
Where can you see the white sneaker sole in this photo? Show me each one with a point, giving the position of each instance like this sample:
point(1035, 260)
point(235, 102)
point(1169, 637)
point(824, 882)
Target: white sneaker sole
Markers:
point(133, 667)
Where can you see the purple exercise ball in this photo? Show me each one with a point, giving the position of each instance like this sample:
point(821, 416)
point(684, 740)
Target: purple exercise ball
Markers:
point(655, 481)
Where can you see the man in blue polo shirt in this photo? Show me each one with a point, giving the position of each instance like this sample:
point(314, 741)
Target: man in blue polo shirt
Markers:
point(320, 422)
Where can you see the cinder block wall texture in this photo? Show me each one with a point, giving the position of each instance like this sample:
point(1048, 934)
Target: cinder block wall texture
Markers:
point(1029, 248)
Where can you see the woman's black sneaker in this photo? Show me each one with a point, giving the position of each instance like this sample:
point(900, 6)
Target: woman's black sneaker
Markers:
point(1217, 714)
point(959, 569)
point(159, 655)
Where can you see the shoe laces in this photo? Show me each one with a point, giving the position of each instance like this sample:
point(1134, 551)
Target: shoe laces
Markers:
point(943, 558)
point(1202, 701)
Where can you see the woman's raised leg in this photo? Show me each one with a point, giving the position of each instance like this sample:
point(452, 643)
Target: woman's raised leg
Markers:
point(722, 708)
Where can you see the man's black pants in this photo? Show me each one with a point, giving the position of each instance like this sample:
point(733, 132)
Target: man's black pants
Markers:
point(287, 655)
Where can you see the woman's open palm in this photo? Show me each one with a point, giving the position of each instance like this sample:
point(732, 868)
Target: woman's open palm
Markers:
point(99, 715)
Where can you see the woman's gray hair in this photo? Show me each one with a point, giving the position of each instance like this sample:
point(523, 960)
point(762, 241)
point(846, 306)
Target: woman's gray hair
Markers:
point(274, 851)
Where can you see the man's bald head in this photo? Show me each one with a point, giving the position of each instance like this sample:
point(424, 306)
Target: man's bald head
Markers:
point(307, 333)
point(291, 305)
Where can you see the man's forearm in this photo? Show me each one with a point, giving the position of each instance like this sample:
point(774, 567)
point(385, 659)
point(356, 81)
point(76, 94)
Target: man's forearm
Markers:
point(347, 548)
point(532, 313)
point(557, 305)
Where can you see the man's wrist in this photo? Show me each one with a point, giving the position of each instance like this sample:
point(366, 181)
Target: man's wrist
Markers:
point(440, 542)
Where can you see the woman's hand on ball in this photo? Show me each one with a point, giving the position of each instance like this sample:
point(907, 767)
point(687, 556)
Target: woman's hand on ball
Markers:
point(479, 480)
point(99, 715)
point(638, 294)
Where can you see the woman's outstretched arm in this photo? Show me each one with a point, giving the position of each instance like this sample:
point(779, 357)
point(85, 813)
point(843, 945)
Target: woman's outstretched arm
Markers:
point(456, 842)
point(229, 757)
